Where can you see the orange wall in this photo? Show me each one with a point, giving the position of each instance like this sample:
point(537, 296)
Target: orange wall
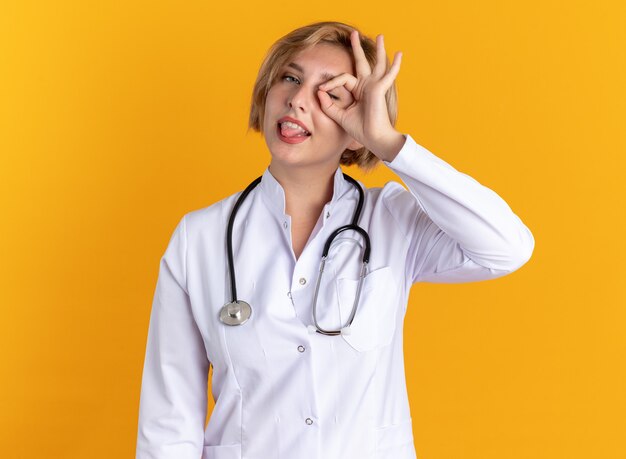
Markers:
point(116, 118)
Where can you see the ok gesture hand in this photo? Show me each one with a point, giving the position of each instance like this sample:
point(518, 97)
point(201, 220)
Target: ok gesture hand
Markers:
point(366, 120)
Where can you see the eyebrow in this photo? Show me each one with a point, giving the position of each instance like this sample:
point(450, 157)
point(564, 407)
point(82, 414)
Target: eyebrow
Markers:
point(325, 75)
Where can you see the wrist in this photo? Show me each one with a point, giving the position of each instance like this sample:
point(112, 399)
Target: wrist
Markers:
point(388, 147)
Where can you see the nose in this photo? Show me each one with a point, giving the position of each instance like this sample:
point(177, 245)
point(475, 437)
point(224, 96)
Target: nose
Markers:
point(302, 97)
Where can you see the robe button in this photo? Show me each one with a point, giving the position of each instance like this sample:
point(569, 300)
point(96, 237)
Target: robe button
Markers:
point(309, 421)
point(301, 348)
point(302, 281)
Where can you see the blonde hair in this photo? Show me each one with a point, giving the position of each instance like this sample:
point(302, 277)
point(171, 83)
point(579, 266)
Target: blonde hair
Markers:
point(280, 54)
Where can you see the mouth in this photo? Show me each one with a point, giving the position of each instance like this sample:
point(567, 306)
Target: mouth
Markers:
point(293, 124)
point(290, 132)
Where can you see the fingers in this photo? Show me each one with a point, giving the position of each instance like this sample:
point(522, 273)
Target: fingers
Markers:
point(391, 75)
point(380, 68)
point(346, 79)
point(361, 64)
point(329, 107)
point(381, 57)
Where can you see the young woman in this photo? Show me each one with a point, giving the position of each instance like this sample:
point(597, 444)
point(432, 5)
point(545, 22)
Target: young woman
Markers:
point(295, 289)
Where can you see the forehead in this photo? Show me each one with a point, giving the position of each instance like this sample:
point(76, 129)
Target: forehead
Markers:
point(327, 61)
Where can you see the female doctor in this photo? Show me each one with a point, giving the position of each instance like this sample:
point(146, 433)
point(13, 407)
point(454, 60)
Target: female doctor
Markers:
point(295, 289)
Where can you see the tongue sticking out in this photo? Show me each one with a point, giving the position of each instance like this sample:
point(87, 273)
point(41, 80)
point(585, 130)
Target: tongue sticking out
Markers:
point(291, 132)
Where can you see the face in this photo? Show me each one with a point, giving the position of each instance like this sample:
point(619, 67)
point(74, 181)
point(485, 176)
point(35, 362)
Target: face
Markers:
point(294, 94)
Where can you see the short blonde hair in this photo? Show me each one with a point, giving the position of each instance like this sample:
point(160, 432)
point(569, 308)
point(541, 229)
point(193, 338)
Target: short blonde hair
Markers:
point(280, 54)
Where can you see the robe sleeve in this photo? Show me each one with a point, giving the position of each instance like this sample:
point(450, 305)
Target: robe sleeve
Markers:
point(173, 402)
point(458, 230)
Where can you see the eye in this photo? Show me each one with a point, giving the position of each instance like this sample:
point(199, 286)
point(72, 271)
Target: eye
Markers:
point(286, 76)
point(289, 76)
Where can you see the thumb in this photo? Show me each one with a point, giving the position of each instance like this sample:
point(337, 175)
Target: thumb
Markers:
point(329, 108)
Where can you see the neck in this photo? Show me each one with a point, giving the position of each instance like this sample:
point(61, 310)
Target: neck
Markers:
point(306, 190)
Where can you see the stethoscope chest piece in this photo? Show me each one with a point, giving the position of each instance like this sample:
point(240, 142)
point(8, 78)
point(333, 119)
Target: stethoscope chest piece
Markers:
point(235, 313)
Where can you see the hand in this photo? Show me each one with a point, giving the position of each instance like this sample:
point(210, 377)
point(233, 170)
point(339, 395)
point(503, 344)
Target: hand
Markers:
point(366, 120)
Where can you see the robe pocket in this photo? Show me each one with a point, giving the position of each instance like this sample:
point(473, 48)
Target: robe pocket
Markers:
point(395, 440)
point(222, 452)
point(375, 318)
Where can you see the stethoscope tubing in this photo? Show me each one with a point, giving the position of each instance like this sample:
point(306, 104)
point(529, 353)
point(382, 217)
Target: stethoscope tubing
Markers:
point(229, 237)
point(231, 313)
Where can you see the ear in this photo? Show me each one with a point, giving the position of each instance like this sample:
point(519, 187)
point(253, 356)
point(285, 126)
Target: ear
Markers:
point(354, 145)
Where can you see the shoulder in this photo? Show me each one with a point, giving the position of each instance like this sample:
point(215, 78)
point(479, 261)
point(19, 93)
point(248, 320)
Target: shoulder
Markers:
point(393, 196)
point(209, 217)
point(395, 206)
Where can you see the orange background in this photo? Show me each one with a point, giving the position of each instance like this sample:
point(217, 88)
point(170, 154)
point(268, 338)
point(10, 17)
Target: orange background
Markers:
point(116, 118)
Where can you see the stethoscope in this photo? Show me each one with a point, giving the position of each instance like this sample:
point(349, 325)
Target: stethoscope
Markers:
point(237, 312)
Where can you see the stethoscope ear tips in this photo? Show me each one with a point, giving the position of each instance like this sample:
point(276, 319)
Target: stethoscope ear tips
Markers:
point(312, 329)
point(346, 330)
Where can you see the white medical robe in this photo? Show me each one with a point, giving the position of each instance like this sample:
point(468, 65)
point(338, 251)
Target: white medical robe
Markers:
point(280, 391)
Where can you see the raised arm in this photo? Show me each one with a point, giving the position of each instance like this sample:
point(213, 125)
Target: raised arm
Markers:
point(458, 229)
point(172, 409)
